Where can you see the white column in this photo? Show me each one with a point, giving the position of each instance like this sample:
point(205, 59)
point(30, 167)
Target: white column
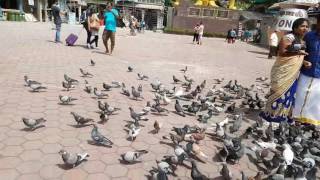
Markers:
point(45, 5)
point(39, 7)
point(142, 14)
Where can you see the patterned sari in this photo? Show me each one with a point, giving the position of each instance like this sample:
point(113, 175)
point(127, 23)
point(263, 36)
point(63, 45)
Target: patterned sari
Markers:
point(284, 75)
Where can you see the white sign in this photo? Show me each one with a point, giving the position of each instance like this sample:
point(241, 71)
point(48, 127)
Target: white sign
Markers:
point(72, 18)
point(31, 2)
point(288, 16)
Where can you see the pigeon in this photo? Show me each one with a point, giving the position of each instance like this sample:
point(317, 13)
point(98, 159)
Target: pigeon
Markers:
point(80, 120)
point(195, 173)
point(287, 154)
point(73, 160)
point(67, 85)
point(130, 69)
point(92, 63)
point(156, 85)
point(179, 109)
point(178, 93)
point(125, 92)
point(98, 138)
point(102, 106)
point(236, 124)
point(269, 132)
point(87, 87)
point(135, 94)
point(158, 175)
point(267, 145)
point(140, 88)
point(224, 153)
point(103, 118)
point(85, 73)
point(33, 124)
point(231, 108)
point(165, 99)
point(175, 79)
point(69, 79)
point(204, 118)
point(106, 86)
point(218, 81)
point(262, 79)
point(110, 110)
point(146, 109)
point(133, 156)
point(203, 84)
point(160, 109)
point(116, 84)
point(30, 81)
point(99, 94)
point(219, 131)
point(66, 99)
point(142, 77)
point(36, 87)
point(157, 126)
point(136, 116)
point(225, 172)
point(165, 167)
point(184, 70)
point(133, 133)
point(189, 80)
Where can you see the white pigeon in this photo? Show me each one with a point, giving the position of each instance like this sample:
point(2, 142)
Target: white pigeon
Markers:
point(179, 92)
point(133, 133)
point(267, 145)
point(287, 154)
point(224, 122)
point(166, 100)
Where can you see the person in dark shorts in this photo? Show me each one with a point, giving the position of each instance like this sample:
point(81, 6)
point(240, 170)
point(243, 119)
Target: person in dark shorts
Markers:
point(56, 12)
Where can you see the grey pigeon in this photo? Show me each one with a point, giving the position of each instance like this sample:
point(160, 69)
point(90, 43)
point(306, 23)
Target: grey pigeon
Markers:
point(236, 124)
point(29, 81)
point(103, 118)
point(69, 79)
point(204, 118)
point(175, 79)
point(142, 76)
point(195, 173)
point(130, 69)
point(67, 85)
point(116, 84)
point(184, 70)
point(102, 106)
point(87, 87)
point(133, 156)
point(125, 91)
point(80, 120)
point(99, 94)
point(139, 88)
point(110, 109)
point(225, 172)
point(36, 87)
point(33, 123)
point(106, 86)
point(165, 167)
point(158, 175)
point(66, 99)
point(179, 109)
point(98, 138)
point(136, 116)
point(135, 94)
point(72, 160)
point(92, 63)
point(85, 73)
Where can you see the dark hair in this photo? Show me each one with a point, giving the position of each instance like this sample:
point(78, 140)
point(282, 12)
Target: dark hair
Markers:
point(298, 22)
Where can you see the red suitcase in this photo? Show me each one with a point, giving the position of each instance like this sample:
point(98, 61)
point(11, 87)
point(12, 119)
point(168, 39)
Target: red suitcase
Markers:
point(71, 39)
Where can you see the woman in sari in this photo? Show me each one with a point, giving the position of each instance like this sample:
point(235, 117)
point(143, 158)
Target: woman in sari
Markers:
point(284, 74)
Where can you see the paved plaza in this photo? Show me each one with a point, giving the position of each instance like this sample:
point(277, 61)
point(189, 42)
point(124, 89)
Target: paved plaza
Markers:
point(28, 49)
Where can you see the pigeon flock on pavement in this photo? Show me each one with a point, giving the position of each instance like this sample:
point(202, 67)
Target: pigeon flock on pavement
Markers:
point(280, 151)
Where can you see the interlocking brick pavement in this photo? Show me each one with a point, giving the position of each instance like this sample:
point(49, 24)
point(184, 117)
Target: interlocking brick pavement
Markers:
point(27, 49)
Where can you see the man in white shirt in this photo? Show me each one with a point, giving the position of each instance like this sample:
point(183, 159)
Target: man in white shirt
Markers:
point(201, 29)
point(273, 43)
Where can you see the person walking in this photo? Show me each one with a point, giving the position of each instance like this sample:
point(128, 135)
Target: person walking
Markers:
point(201, 30)
point(111, 15)
point(273, 44)
point(56, 12)
point(196, 33)
point(306, 109)
point(94, 26)
point(86, 24)
point(233, 36)
point(285, 73)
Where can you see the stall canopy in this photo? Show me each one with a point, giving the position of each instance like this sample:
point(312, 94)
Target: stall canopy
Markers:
point(301, 4)
point(249, 15)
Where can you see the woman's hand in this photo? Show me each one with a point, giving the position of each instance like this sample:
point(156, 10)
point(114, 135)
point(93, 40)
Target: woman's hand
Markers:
point(307, 64)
